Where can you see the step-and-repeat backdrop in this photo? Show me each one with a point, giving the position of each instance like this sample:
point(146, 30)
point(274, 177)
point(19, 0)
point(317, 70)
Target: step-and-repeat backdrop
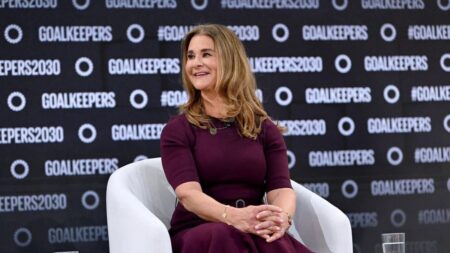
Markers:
point(363, 86)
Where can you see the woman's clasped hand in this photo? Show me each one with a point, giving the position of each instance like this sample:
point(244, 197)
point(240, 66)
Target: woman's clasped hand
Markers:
point(267, 221)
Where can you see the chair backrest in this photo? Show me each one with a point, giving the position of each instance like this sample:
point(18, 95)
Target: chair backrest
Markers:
point(320, 225)
point(139, 206)
point(146, 181)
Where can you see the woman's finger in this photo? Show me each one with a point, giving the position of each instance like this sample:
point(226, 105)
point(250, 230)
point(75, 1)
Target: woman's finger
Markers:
point(272, 208)
point(264, 225)
point(277, 219)
point(263, 214)
point(267, 232)
point(264, 236)
point(275, 236)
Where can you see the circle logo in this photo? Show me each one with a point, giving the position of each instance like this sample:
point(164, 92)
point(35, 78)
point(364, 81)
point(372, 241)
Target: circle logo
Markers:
point(135, 28)
point(259, 95)
point(20, 97)
point(391, 94)
point(346, 126)
point(291, 159)
point(446, 123)
point(200, 6)
point(81, 6)
point(22, 237)
point(88, 62)
point(9, 37)
point(394, 156)
point(349, 189)
point(19, 175)
point(140, 158)
point(90, 200)
point(144, 97)
point(398, 218)
point(445, 57)
point(387, 29)
point(345, 60)
point(280, 28)
point(340, 7)
point(283, 91)
point(82, 133)
point(442, 6)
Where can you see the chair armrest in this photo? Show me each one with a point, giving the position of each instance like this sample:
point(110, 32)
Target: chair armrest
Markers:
point(131, 226)
point(321, 226)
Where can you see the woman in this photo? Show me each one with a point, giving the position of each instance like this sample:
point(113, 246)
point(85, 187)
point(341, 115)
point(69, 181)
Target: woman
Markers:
point(223, 153)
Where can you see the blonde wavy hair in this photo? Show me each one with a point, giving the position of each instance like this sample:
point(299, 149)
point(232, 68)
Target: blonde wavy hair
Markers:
point(235, 84)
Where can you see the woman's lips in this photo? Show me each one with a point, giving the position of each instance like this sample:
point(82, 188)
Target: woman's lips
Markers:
point(201, 74)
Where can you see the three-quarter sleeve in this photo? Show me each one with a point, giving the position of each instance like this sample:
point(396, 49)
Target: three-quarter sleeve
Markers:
point(277, 173)
point(176, 154)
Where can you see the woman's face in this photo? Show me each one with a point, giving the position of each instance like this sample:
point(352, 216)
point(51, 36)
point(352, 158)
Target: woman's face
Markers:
point(201, 64)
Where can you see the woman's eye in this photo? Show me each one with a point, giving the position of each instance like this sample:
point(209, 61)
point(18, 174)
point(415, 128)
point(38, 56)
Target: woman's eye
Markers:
point(206, 54)
point(190, 57)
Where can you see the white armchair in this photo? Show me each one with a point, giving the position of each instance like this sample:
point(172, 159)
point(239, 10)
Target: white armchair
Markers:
point(140, 203)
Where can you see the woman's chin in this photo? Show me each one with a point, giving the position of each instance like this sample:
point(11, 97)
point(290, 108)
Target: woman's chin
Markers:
point(203, 87)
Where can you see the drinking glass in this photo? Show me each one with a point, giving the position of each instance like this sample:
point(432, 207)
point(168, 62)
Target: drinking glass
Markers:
point(393, 242)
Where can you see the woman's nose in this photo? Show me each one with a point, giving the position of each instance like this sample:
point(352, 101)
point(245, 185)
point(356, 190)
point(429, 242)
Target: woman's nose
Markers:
point(198, 61)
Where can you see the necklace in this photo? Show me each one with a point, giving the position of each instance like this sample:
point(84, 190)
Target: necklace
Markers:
point(213, 129)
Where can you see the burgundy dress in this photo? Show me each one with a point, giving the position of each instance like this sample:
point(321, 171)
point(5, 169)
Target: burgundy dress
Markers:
point(231, 169)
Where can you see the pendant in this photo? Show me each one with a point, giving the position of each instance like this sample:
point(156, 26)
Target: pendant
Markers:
point(213, 131)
